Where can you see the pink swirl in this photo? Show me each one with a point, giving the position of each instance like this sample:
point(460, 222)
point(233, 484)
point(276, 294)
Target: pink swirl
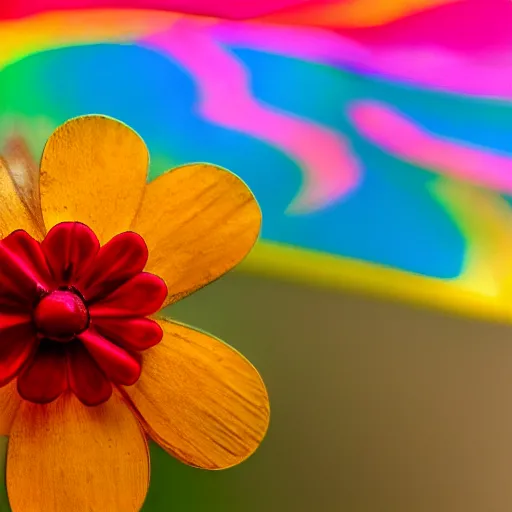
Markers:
point(403, 138)
point(330, 170)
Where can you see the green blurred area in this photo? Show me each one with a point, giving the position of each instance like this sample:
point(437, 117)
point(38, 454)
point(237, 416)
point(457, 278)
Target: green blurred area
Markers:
point(376, 407)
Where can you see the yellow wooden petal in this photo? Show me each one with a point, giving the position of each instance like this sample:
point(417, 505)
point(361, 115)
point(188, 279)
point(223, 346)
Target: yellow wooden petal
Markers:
point(198, 221)
point(24, 171)
point(66, 457)
point(13, 212)
point(93, 170)
point(200, 400)
point(9, 404)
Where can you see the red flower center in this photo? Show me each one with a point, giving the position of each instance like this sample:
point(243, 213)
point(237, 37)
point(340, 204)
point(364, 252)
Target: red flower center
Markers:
point(61, 315)
point(73, 314)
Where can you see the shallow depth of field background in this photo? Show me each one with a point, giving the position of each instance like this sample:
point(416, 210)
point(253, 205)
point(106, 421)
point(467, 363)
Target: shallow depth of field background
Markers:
point(376, 138)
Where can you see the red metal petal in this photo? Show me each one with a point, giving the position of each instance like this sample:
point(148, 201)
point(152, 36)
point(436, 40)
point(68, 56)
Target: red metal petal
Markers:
point(45, 377)
point(69, 248)
point(131, 333)
point(86, 379)
point(119, 365)
point(17, 343)
point(141, 296)
point(24, 272)
point(117, 261)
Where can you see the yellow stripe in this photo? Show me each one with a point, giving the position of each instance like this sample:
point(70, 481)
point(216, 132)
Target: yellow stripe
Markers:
point(48, 30)
point(324, 270)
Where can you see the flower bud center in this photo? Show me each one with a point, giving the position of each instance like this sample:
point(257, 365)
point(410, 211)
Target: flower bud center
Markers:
point(61, 315)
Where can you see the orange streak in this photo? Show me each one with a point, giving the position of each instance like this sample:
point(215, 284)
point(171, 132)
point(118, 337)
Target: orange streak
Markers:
point(354, 13)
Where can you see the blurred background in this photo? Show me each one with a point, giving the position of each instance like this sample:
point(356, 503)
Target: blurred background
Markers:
point(376, 138)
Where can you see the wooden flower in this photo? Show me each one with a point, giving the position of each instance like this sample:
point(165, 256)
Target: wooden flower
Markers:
point(88, 371)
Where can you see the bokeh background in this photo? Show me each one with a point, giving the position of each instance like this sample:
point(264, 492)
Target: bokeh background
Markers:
point(376, 137)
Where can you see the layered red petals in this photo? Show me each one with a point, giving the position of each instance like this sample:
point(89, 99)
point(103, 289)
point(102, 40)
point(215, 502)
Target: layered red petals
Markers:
point(120, 366)
point(86, 379)
point(24, 272)
point(18, 340)
point(141, 296)
point(131, 333)
point(45, 377)
point(63, 346)
point(70, 248)
point(119, 260)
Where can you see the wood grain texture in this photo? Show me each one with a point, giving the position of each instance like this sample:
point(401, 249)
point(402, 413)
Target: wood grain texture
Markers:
point(200, 400)
point(198, 221)
point(66, 457)
point(13, 212)
point(24, 171)
point(93, 170)
point(10, 402)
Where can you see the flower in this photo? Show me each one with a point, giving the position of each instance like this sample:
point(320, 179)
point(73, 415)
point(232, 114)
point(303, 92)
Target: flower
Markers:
point(88, 372)
point(73, 313)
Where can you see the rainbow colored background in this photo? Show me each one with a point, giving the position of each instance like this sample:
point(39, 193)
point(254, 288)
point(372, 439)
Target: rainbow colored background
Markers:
point(369, 132)
point(375, 135)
